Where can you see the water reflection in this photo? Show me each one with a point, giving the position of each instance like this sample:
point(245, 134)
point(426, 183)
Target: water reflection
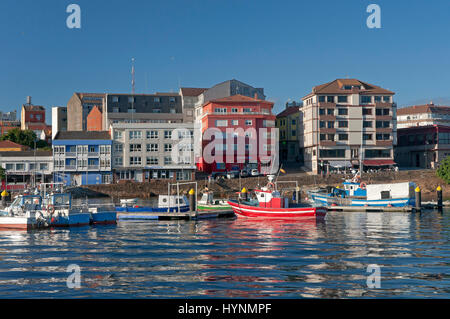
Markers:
point(247, 258)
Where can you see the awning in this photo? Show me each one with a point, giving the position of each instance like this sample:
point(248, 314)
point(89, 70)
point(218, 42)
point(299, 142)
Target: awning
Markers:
point(379, 162)
point(340, 164)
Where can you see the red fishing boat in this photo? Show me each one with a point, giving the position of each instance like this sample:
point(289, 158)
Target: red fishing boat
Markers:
point(269, 203)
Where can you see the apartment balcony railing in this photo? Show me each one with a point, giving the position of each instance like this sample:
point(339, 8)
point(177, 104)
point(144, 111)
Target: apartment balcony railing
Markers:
point(236, 113)
point(71, 154)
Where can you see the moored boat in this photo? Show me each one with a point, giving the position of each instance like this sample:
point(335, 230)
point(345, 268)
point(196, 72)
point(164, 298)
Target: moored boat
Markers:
point(208, 202)
point(23, 214)
point(269, 203)
point(166, 204)
point(357, 193)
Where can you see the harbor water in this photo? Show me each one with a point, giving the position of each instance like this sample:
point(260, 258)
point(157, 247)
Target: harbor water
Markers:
point(238, 257)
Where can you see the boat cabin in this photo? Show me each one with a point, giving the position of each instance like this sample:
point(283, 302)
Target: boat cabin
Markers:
point(271, 198)
point(165, 201)
point(354, 189)
point(25, 203)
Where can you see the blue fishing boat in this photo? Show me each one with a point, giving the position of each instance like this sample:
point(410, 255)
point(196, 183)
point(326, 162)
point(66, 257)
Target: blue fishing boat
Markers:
point(166, 204)
point(357, 193)
point(60, 213)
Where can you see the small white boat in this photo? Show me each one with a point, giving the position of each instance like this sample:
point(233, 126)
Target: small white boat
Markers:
point(128, 202)
point(207, 202)
point(23, 214)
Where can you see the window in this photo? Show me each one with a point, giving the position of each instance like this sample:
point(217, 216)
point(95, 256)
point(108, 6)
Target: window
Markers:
point(234, 122)
point(20, 167)
point(248, 122)
point(343, 137)
point(118, 135)
point(386, 99)
point(377, 153)
point(247, 110)
point(152, 160)
point(118, 161)
point(115, 109)
point(366, 99)
point(156, 99)
point(330, 124)
point(330, 112)
point(342, 111)
point(321, 111)
point(152, 147)
point(152, 134)
point(156, 110)
point(367, 123)
point(132, 110)
point(377, 99)
point(343, 123)
point(115, 99)
point(118, 147)
point(234, 110)
point(330, 99)
point(135, 134)
point(135, 147)
point(367, 111)
point(131, 99)
point(167, 134)
point(172, 99)
point(220, 110)
point(322, 124)
point(323, 137)
point(293, 122)
point(221, 123)
point(321, 98)
point(92, 149)
point(167, 160)
point(294, 133)
point(135, 160)
point(342, 99)
point(330, 137)
point(167, 147)
point(367, 137)
point(332, 153)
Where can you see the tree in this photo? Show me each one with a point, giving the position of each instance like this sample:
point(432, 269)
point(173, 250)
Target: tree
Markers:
point(16, 135)
point(444, 170)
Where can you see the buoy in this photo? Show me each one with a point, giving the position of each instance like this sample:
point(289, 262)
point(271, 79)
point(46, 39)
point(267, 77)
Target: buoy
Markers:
point(389, 205)
point(244, 190)
point(439, 188)
point(334, 204)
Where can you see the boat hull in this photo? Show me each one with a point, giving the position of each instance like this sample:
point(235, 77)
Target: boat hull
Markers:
point(145, 209)
point(327, 200)
point(213, 207)
point(17, 223)
point(294, 212)
point(98, 218)
point(71, 220)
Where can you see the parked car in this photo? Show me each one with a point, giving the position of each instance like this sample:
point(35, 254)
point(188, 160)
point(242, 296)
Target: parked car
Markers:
point(254, 172)
point(244, 173)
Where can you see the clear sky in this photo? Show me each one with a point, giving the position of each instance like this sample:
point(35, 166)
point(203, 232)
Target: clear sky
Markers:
point(286, 47)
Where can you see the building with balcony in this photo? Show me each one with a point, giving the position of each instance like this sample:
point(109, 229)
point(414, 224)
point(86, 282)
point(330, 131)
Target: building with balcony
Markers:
point(422, 146)
point(423, 115)
point(25, 168)
point(346, 121)
point(82, 158)
point(288, 123)
point(143, 152)
point(250, 138)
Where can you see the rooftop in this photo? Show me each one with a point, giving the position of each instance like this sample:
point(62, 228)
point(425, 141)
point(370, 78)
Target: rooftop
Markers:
point(83, 135)
point(427, 108)
point(239, 98)
point(288, 111)
point(349, 86)
point(192, 91)
point(10, 144)
point(26, 153)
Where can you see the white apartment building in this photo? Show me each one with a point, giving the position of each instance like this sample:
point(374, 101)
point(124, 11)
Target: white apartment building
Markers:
point(423, 115)
point(149, 151)
point(347, 121)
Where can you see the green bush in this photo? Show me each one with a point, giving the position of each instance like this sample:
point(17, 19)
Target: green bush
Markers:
point(444, 170)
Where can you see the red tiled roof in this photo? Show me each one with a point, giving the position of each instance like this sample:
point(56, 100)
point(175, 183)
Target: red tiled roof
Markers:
point(10, 144)
point(337, 87)
point(288, 111)
point(427, 108)
point(192, 91)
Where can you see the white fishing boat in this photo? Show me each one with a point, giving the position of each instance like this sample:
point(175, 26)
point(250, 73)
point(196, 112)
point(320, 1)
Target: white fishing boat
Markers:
point(208, 202)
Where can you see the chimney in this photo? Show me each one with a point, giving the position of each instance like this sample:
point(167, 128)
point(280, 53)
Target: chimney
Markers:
point(255, 96)
point(29, 100)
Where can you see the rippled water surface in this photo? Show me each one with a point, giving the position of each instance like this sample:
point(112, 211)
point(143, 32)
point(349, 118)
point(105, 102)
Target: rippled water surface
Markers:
point(234, 258)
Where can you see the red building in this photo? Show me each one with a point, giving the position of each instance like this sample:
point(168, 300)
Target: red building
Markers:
point(94, 119)
point(32, 118)
point(250, 139)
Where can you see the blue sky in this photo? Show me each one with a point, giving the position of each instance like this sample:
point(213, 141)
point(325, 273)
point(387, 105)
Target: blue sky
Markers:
point(287, 47)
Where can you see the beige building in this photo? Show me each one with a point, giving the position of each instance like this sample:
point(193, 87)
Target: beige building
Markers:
point(345, 121)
